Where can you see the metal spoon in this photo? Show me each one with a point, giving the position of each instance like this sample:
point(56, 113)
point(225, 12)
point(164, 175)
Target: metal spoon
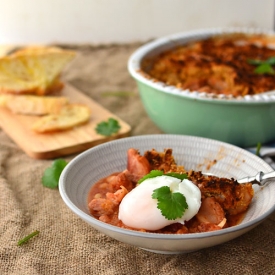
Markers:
point(260, 178)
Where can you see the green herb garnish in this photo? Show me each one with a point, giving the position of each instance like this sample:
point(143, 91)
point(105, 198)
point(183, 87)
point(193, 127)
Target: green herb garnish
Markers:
point(152, 174)
point(263, 66)
point(177, 175)
point(107, 128)
point(52, 174)
point(157, 173)
point(172, 205)
point(259, 145)
point(25, 239)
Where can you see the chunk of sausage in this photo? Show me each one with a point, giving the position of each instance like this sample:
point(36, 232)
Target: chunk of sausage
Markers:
point(210, 211)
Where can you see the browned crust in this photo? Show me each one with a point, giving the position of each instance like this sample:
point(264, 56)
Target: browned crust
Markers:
point(216, 65)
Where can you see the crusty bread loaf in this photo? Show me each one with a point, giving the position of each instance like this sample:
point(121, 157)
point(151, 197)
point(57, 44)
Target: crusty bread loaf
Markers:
point(34, 70)
point(32, 104)
point(69, 116)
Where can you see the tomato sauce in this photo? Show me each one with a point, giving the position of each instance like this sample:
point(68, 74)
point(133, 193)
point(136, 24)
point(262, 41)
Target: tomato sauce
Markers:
point(105, 196)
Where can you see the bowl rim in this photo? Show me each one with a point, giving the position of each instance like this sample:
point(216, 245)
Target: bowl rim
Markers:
point(93, 221)
point(134, 67)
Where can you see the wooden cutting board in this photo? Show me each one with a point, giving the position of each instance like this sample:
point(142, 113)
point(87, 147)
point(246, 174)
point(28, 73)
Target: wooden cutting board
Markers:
point(54, 145)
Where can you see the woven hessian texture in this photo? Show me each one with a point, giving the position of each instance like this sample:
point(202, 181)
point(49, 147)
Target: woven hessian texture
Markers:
point(66, 244)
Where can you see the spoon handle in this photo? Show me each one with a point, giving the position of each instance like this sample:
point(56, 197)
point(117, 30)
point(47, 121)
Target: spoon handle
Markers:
point(260, 178)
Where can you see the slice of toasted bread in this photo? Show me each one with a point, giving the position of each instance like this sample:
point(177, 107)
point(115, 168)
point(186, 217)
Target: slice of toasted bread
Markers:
point(69, 116)
point(33, 105)
point(34, 70)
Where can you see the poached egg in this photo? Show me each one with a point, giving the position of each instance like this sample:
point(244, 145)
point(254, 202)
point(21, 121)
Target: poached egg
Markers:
point(139, 210)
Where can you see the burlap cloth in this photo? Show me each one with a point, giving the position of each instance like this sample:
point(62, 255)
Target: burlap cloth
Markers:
point(66, 244)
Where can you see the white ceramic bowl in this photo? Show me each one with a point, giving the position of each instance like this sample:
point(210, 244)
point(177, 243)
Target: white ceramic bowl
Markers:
point(194, 153)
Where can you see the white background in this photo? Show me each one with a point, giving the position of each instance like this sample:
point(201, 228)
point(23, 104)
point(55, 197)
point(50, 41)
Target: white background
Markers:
point(116, 21)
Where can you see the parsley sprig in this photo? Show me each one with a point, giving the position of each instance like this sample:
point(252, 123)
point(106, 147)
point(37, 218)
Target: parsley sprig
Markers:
point(107, 128)
point(263, 66)
point(172, 205)
point(52, 174)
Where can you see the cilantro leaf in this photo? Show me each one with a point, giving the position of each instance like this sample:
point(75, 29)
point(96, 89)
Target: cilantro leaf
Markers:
point(271, 60)
point(177, 175)
point(107, 128)
point(172, 205)
point(152, 174)
point(263, 66)
point(254, 61)
point(52, 174)
point(157, 173)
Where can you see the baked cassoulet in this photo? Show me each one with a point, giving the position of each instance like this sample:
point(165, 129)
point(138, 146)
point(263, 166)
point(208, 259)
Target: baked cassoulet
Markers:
point(230, 64)
point(154, 194)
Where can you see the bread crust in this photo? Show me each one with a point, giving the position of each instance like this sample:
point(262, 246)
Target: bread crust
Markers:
point(34, 70)
point(32, 104)
point(69, 116)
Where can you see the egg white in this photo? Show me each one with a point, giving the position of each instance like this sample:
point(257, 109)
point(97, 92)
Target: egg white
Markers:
point(139, 210)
